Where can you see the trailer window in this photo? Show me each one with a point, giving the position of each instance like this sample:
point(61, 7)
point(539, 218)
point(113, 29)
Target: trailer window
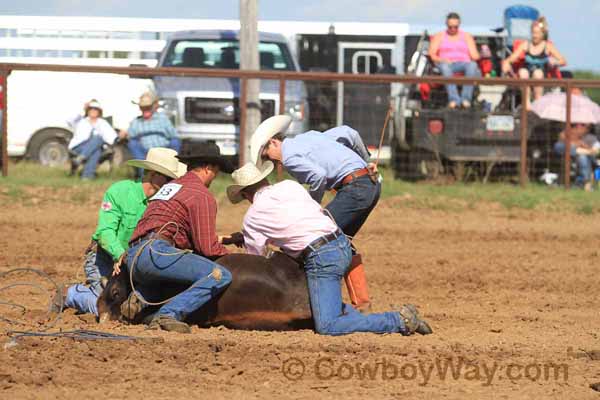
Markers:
point(225, 54)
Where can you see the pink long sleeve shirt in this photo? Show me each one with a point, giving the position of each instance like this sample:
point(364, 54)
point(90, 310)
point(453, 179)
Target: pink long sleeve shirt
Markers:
point(284, 215)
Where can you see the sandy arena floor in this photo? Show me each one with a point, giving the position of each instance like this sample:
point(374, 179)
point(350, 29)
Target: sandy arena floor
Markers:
point(512, 297)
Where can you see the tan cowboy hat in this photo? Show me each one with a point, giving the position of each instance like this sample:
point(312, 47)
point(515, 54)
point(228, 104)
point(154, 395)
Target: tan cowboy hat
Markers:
point(146, 100)
point(265, 131)
point(246, 176)
point(163, 161)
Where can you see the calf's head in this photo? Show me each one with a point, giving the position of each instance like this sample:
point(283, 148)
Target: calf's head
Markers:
point(115, 293)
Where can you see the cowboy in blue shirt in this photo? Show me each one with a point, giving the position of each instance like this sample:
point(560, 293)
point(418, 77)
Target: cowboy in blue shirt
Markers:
point(151, 129)
point(336, 159)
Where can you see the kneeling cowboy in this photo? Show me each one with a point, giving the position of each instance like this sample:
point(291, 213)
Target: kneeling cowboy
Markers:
point(284, 215)
point(332, 160)
point(122, 207)
point(181, 216)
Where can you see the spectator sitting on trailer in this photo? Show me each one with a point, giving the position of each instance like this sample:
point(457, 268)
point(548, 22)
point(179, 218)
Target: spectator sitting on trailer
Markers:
point(149, 130)
point(584, 148)
point(91, 133)
point(454, 51)
point(535, 58)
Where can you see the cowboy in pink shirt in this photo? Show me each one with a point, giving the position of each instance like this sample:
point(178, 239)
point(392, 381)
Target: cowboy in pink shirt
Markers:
point(454, 51)
point(284, 215)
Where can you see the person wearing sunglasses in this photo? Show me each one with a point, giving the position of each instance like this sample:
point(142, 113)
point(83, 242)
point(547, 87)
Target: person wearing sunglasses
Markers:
point(454, 52)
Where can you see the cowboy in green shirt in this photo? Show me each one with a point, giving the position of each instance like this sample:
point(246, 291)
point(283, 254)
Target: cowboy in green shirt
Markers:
point(122, 206)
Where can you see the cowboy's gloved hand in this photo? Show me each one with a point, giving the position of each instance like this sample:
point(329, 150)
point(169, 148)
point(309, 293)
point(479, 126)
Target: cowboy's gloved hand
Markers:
point(117, 265)
point(236, 238)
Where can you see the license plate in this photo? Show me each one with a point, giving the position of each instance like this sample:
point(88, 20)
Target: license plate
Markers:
point(228, 147)
point(504, 123)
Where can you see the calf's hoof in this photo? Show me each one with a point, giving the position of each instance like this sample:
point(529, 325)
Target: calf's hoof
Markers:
point(104, 317)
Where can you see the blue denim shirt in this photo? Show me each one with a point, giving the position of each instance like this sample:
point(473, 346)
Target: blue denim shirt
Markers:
point(323, 159)
point(154, 132)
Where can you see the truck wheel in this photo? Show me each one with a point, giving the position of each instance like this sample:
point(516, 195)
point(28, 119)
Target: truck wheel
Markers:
point(400, 161)
point(49, 148)
point(430, 167)
point(415, 164)
point(459, 170)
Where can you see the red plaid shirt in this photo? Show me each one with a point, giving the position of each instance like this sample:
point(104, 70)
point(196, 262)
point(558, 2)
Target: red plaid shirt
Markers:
point(192, 207)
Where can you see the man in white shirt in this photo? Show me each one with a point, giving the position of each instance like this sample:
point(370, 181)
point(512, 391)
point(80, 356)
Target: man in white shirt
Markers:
point(90, 135)
point(284, 215)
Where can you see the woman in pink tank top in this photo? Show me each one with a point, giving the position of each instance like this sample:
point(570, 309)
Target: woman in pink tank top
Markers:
point(454, 49)
point(455, 52)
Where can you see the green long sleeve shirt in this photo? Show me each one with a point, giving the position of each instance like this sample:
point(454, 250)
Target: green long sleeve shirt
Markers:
point(122, 207)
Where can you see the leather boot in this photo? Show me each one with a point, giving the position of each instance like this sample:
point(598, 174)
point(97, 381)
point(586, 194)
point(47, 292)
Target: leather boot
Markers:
point(412, 320)
point(169, 324)
point(356, 282)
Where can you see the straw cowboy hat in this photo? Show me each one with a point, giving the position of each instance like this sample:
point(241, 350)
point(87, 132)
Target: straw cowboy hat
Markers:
point(205, 152)
point(163, 161)
point(246, 176)
point(146, 100)
point(265, 131)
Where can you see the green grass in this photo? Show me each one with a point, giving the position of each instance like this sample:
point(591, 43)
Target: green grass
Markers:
point(28, 180)
point(466, 196)
point(32, 184)
point(22, 174)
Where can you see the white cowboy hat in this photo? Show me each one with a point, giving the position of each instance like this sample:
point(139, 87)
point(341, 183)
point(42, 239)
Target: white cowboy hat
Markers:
point(163, 161)
point(265, 131)
point(246, 176)
point(93, 104)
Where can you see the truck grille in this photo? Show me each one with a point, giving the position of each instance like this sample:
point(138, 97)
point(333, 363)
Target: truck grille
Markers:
point(220, 111)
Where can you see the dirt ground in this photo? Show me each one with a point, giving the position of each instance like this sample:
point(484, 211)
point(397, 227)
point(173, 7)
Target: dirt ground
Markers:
point(512, 297)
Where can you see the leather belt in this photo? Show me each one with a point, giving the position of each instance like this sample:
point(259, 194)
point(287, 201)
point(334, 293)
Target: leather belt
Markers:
point(352, 176)
point(152, 235)
point(320, 242)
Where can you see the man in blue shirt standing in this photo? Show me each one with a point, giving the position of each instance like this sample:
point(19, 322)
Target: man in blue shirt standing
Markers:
point(149, 130)
point(337, 160)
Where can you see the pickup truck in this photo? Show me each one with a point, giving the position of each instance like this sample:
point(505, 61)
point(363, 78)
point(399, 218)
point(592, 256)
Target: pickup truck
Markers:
point(207, 109)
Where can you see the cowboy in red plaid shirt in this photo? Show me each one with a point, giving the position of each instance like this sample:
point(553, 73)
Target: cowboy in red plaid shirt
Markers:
point(176, 241)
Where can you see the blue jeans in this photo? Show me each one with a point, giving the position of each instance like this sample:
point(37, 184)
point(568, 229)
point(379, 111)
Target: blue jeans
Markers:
point(139, 152)
point(91, 150)
point(325, 268)
point(353, 203)
point(83, 298)
point(161, 263)
point(584, 162)
point(470, 69)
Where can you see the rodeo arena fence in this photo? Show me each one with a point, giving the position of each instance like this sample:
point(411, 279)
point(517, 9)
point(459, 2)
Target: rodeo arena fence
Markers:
point(395, 116)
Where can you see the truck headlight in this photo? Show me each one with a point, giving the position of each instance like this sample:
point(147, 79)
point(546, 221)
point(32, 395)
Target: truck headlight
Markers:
point(295, 109)
point(168, 105)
